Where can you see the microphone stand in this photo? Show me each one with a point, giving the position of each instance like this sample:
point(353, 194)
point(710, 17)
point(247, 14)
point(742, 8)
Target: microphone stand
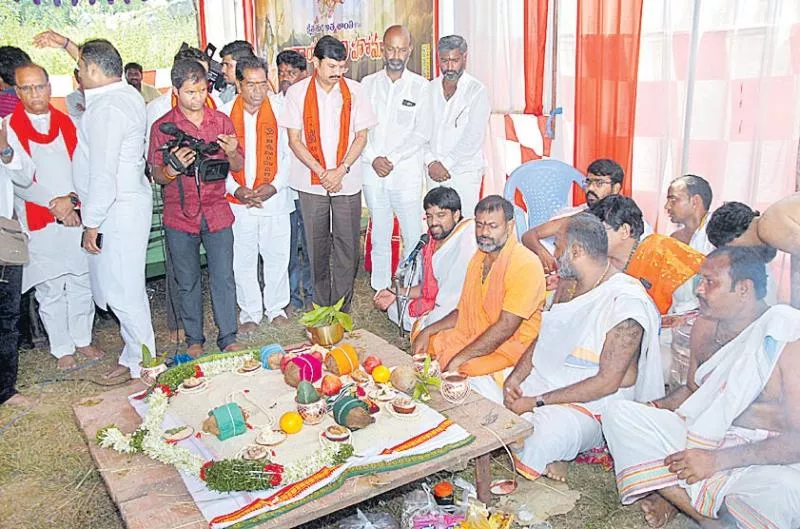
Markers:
point(401, 307)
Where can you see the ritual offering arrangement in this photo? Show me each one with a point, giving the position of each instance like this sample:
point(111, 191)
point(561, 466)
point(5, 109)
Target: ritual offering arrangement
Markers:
point(266, 430)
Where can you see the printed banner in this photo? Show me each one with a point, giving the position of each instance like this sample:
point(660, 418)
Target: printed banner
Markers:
point(359, 24)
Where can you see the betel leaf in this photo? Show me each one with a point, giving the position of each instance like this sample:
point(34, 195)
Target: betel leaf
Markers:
point(345, 320)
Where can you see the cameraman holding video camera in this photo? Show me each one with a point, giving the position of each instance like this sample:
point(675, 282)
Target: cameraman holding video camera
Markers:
point(192, 147)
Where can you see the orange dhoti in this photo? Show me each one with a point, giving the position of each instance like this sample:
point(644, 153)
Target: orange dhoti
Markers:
point(515, 284)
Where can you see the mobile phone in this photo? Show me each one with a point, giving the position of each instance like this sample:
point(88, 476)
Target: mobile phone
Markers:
point(98, 241)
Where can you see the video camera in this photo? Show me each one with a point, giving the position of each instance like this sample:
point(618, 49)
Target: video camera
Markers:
point(205, 168)
point(216, 81)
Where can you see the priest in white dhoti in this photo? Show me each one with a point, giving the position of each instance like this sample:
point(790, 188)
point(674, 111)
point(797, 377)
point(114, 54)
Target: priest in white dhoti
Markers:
point(445, 258)
point(116, 198)
point(600, 347)
point(393, 168)
point(460, 110)
point(43, 141)
point(261, 199)
point(725, 448)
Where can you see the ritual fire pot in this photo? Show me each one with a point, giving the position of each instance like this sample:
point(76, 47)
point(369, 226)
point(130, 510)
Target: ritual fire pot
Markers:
point(327, 335)
point(455, 387)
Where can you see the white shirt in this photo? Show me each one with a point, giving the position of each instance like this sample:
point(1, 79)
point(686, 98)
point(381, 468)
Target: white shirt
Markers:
point(699, 240)
point(403, 128)
point(8, 179)
point(55, 249)
point(76, 104)
point(330, 108)
point(459, 125)
point(282, 202)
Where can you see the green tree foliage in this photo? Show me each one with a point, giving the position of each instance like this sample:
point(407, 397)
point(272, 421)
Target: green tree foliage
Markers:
point(149, 33)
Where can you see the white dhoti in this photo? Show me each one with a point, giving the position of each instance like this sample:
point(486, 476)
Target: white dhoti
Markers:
point(384, 204)
point(67, 311)
point(568, 352)
point(640, 437)
point(270, 237)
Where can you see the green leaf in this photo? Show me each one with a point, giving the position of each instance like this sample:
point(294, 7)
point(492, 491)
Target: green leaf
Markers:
point(339, 304)
point(417, 391)
point(345, 320)
point(147, 356)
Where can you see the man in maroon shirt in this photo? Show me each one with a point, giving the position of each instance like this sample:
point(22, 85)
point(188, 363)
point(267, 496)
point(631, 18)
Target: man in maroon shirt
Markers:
point(198, 213)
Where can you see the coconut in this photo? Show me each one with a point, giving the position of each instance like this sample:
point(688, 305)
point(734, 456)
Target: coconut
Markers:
point(404, 378)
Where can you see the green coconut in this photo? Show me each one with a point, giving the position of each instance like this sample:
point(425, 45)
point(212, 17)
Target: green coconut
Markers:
point(306, 394)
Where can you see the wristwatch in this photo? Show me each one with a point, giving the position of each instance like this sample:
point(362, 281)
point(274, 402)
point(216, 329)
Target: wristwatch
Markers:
point(346, 168)
point(539, 402)
point(7, 152)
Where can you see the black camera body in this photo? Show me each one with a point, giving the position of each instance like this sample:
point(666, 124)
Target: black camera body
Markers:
point(216, 81)
point(204, 168)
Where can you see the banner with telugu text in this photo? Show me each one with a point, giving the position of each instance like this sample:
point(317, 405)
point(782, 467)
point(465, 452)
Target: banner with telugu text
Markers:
point(359, 24)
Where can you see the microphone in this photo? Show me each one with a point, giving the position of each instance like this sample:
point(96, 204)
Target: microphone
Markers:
point(423, 240)
point(170, 129)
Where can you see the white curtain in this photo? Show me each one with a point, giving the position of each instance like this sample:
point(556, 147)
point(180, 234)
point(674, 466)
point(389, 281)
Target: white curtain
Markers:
point(744, 87)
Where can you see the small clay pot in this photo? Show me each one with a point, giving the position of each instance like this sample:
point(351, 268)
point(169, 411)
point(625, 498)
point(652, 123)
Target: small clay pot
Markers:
point(148, 375)
point(455, 387)
point(327, 335)
point(312, 413)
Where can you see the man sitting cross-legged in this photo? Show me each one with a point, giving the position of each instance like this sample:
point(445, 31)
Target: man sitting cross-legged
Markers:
point(500, 308)
point(600, 347)
point(726, 445)
point(444, 264)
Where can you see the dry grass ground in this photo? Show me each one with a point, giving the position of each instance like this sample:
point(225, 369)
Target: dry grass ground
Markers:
point(48, 480)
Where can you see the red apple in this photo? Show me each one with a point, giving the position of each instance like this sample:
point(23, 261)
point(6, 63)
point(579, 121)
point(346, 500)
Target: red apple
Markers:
point(331, 385)
point(370, 363)
point(317, 355)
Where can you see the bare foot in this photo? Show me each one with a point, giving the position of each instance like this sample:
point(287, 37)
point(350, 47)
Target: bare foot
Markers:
point(177, 336)
point(66, 362)
point(117, 372)
point(280, 320)
point(557, 470)
point(247, 329)
point(657, 511)
point(195, 350)
point(235, 346)
point(91, 352)
point(20, 400)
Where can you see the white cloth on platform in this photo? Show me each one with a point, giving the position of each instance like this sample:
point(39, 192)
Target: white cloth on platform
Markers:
point(264, 231)
point(567, 352)
point(400, 136)
point(457, 135)
point(116, 198)
point(450, 262)
point(640, 437)
point(58, 268)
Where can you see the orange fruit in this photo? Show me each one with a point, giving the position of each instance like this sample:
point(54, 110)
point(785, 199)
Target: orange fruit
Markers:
point(291, 422)
point(381, 374)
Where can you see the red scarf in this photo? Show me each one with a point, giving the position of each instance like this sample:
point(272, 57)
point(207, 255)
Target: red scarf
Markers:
point(40, 216)
point(311, 125)
point(429, 288)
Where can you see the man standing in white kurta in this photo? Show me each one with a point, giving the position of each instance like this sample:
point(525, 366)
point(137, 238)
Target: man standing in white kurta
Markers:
point(460, 112)
point(116, 198)
point(43, 142)
point(260, 199)
point(393, 166)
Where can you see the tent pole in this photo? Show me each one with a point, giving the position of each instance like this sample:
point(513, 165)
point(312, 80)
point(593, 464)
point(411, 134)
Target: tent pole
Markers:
point(553, 65)
point(795, 258)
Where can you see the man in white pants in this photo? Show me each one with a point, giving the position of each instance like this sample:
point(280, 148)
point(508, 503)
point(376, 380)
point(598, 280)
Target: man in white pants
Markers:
point(42, 141)
point(460, 110)
point(392, 159)
point(116, 198)
point(260, 199)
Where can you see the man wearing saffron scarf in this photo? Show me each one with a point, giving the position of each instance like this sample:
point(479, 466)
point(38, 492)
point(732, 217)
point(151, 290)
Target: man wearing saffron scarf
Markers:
point(500, 308)
point(260, 199)
point(660, 262)
point(444, 264)
point(328, 117)
point(43, 141)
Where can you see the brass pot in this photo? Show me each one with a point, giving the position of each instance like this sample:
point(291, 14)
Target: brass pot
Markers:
point(327, 335)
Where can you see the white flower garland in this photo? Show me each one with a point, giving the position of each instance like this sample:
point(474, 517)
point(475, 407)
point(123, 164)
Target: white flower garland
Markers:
point(224, 365)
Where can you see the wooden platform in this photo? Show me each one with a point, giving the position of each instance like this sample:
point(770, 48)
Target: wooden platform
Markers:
point(150, 495)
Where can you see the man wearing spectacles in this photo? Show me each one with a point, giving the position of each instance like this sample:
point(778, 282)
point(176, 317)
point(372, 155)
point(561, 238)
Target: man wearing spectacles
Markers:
point(603, 178)
point(260, 199)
